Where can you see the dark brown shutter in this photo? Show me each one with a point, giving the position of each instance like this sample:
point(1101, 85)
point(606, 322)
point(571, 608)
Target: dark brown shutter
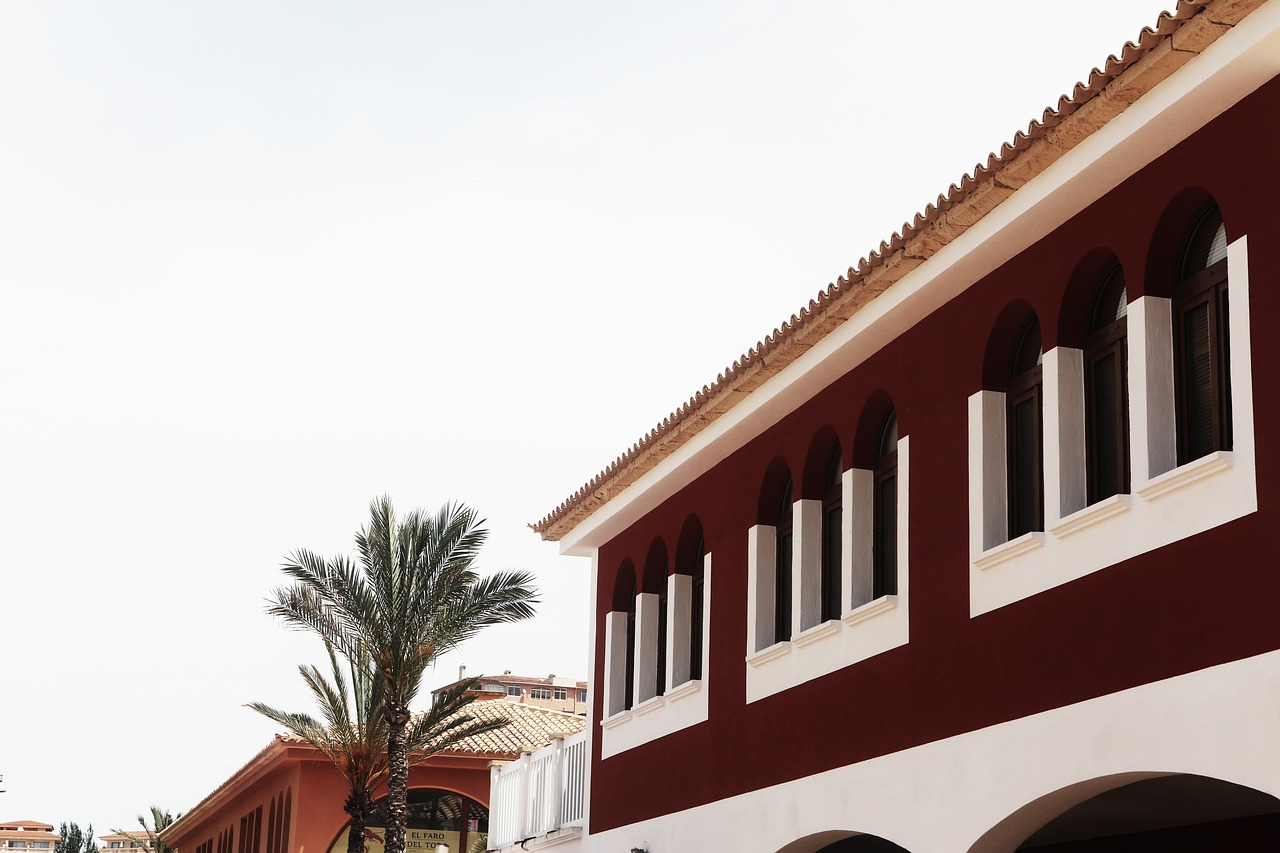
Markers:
point(832, 603)
point(782, 575)
point(884, 540)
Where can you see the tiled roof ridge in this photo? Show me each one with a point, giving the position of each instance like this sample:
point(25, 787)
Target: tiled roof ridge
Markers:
point(1157, 53)
point(486, 710)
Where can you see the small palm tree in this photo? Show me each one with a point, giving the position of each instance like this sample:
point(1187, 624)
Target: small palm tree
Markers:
point(413, 595)
point(353, 731)
point(150, 837)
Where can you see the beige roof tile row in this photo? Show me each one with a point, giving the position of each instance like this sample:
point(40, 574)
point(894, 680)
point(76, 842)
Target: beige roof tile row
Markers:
point(1158, 52)
point(528, 727)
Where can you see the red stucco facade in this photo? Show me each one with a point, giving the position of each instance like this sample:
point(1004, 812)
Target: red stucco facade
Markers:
point(1194, 604)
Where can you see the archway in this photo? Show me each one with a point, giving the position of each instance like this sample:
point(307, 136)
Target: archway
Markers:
point(1170, 813)
point(842, 841)
point(436, 817)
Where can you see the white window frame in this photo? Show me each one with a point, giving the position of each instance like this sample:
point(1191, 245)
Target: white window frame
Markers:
point(866, 627)
point(684, 703)
point(1168, 502)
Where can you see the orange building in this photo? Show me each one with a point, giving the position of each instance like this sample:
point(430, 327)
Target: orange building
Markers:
point(289, 797)
point(560, 694)
point(28, 835)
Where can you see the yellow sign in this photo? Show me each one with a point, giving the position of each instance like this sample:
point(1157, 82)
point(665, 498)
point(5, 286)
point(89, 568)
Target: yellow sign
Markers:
point(416, 840)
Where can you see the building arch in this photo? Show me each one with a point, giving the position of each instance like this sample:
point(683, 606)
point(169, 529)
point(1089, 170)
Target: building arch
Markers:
point(651, 622)
point(620, 642)
point(1169, 239)
point(440, 813)
point(1078, 299)
point(1006, 332)
point(689, 626)
point(1140, 810)
point(823, 493)
point(873, 490)
point(842, 841)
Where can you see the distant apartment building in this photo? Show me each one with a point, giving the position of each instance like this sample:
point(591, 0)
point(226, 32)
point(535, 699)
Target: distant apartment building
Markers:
point(558, 694)
point(141, 840)
point(28, 835)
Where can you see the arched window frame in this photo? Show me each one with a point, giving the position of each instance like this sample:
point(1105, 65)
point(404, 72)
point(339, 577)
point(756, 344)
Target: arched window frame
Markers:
point(630, 614)
point(1025, 432)
point(782, 564)
point(884, 548)
point(832, 530)
point(1202, 397)
point(620, 643)
point(1107, 390)
point(697, 611)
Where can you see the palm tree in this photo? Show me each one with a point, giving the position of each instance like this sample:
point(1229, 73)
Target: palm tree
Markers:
point(412, 595)
point(353, 731)
point(160, 821)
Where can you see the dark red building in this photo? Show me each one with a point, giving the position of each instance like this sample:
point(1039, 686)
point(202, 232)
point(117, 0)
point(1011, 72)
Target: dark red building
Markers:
point(974, 555)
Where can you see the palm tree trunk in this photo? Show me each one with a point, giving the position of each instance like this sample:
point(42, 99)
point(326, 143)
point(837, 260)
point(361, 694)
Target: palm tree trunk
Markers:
point(397, 778)
point(360, 806)
point(355, 835)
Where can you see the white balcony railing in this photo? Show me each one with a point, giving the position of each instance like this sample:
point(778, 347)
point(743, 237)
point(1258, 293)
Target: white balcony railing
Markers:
point(538, 793)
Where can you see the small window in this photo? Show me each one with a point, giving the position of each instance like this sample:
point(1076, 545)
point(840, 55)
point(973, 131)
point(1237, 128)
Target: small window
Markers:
point(885, 536)
point(782, 568)
point(660, 670)
point(695, 610)
point(493, 688)
point(514, 690)
point(832, 522)
point(1025, 433)
point(1106, 390)
point(539, 693)
point(630, 698)
point(582, 696)
point(1202, 350)
point(561, 693)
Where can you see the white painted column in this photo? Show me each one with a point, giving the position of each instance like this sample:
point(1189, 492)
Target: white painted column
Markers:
point(988, 473)
point(1065, 477)
point(615, 662)
point(806, 565)
point(761, 547)
point(706, 617)
point(1153, 422)
point(679, 622)
point(858, 536)
point(646, 673)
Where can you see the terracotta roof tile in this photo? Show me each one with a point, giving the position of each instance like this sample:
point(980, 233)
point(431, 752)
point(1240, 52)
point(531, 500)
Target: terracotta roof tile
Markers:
point(529, 726)
point(1158, 51)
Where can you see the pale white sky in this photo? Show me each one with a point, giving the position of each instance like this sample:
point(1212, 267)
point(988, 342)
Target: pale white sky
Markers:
point(260, 262)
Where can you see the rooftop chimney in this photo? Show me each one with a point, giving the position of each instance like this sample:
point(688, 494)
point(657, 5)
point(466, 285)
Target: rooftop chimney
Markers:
point(462, 671)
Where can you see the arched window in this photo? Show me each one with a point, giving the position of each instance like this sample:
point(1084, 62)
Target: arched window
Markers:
point(1025, 433)
point(695, 609)
point(832, 492)
point(782, 567)
point(1107, 390)
point(660, 668)
point(686, 615)
point(630, 697)
point(884, 549)
point(456, 818)
point(1202, 348)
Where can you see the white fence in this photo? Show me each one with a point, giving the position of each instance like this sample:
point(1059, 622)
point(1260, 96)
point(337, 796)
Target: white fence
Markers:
point(539, 792)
